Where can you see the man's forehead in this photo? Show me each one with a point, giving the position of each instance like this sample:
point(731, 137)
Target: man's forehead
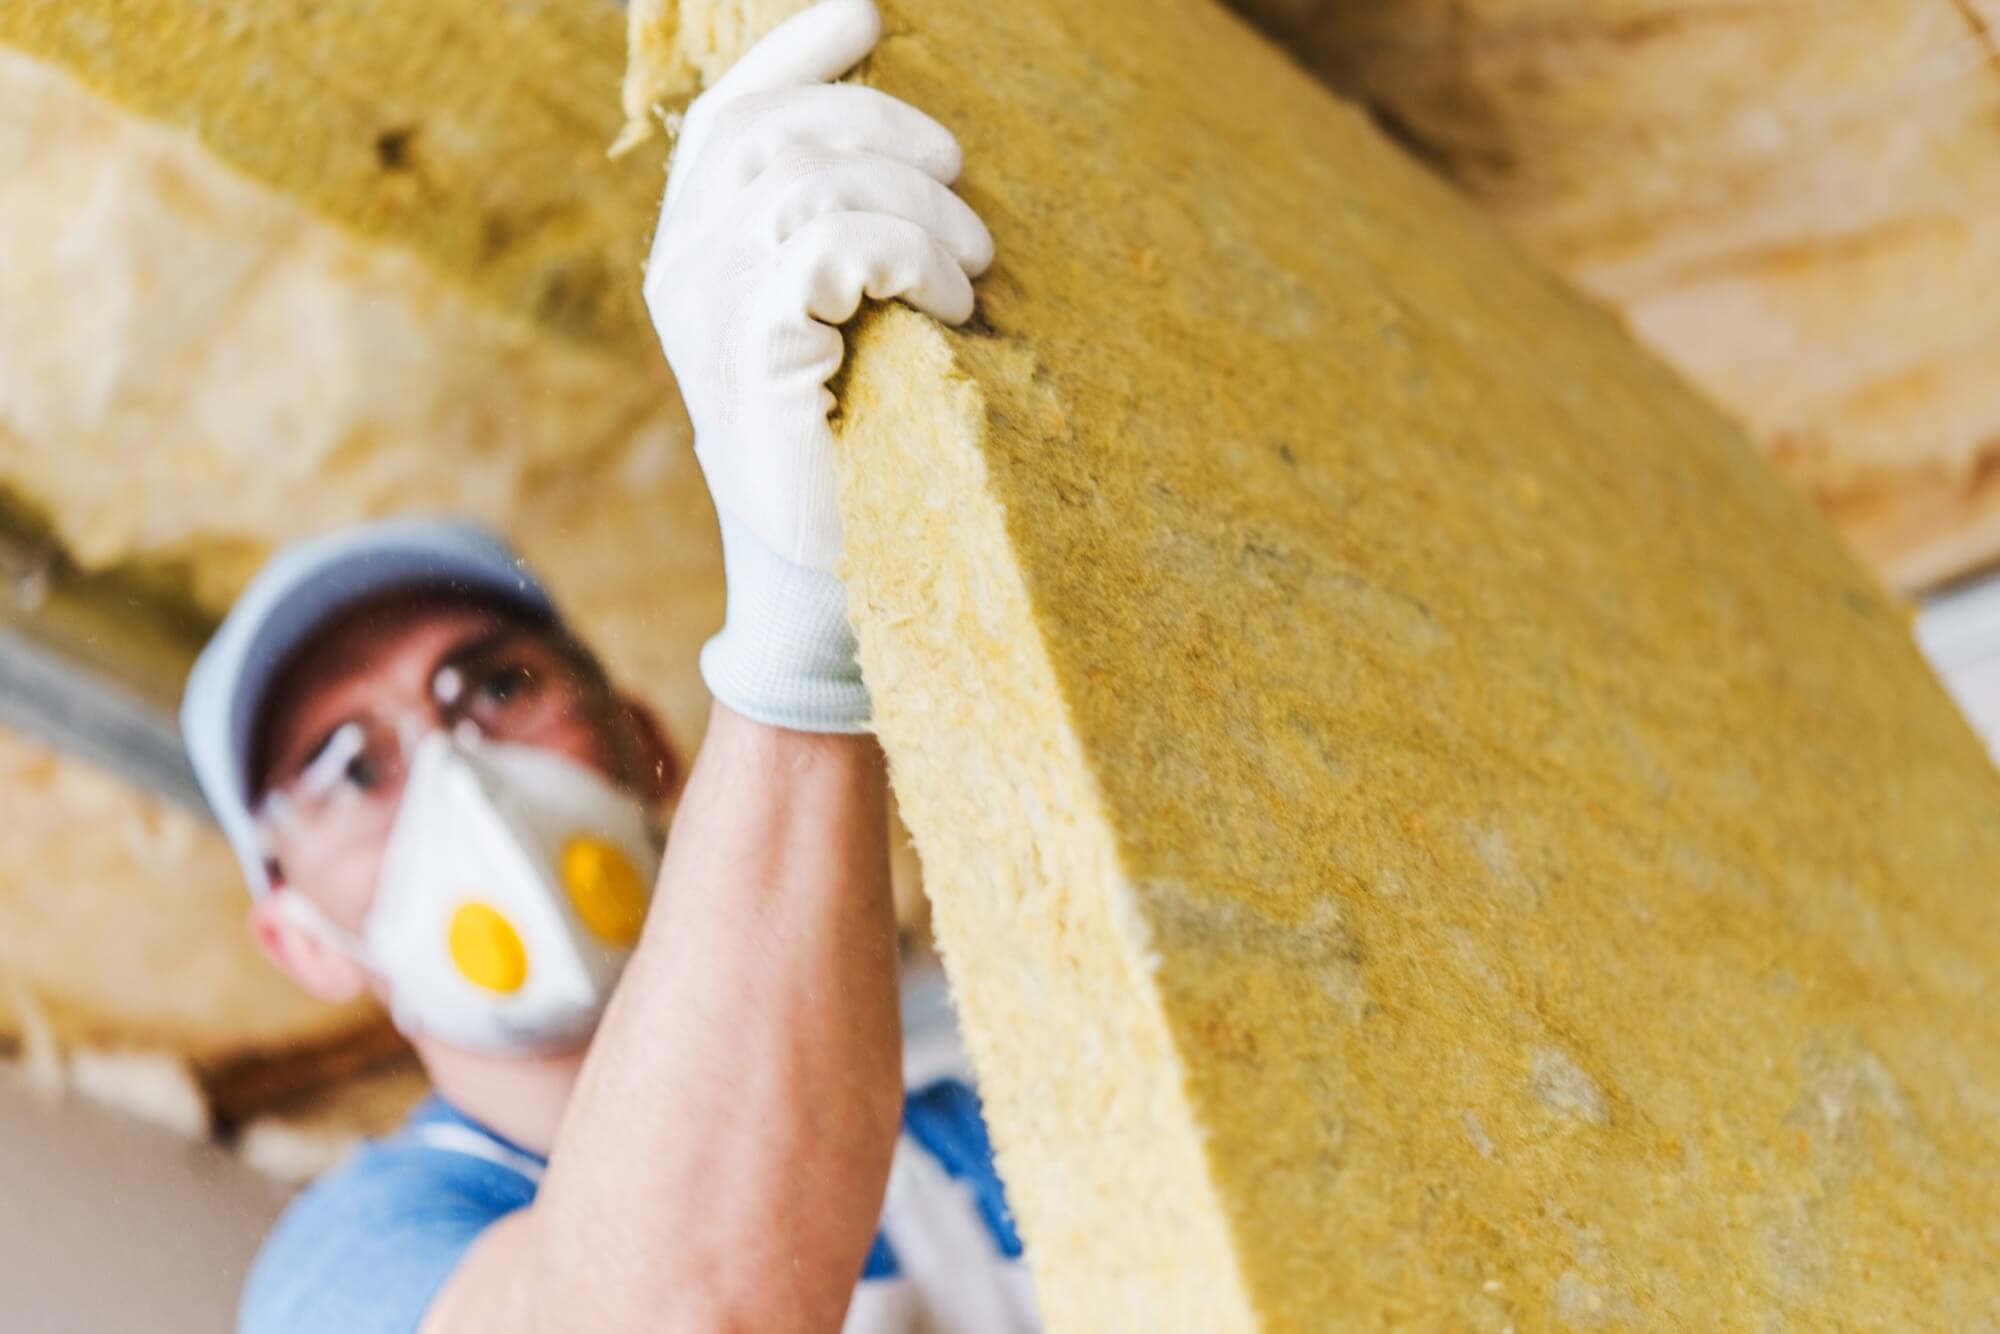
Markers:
point(374, 634)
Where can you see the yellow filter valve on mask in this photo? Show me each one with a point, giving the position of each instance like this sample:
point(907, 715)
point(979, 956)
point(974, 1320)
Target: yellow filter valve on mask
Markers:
point(486, 948)
point(605, 889)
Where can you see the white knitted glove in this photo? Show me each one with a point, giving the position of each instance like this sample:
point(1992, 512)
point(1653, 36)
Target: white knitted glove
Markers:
point(790, 200)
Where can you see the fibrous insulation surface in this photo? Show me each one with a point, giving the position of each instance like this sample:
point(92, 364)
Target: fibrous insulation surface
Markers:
point(1798, 207)
point(1425, 829)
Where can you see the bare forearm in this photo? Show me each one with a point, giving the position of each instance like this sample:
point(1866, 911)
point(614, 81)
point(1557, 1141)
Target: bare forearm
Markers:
point(722, 1163)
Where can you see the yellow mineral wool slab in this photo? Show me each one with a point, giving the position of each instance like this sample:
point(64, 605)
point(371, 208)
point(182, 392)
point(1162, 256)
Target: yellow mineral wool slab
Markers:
point(1426, 829)
point(1803, 215)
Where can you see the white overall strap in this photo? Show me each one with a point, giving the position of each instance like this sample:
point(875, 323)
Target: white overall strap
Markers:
point(454, 1138)
point(933, 1221)
point(886, 1306)
point(942, 1244)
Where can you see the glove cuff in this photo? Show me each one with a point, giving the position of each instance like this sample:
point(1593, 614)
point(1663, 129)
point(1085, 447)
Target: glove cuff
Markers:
point(785, 654)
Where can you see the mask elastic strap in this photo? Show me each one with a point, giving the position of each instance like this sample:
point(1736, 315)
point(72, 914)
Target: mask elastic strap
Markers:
point(304, 914)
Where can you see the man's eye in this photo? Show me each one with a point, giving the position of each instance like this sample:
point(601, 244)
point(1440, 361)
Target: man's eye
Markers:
point(506, 683)
point(363, 772)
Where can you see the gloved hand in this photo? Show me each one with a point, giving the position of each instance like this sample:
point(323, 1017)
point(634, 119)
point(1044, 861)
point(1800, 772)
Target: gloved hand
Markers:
point(790, 199)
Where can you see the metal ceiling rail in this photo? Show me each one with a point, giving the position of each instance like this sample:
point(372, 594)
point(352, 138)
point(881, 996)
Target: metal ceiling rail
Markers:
point(93, 663)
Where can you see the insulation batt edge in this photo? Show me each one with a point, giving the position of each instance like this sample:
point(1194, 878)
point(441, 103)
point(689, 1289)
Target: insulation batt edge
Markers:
point(1425, 828)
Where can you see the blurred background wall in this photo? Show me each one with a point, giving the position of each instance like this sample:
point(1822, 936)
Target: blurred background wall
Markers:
point(107, 1223)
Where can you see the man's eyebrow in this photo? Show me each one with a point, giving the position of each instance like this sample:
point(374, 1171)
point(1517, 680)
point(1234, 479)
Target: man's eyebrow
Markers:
point(467, 650)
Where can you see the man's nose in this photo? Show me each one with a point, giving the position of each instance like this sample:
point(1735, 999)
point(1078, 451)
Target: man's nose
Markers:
point(412, 726)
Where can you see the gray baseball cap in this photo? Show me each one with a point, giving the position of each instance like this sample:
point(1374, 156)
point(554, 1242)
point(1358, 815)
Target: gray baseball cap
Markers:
point(301, 588)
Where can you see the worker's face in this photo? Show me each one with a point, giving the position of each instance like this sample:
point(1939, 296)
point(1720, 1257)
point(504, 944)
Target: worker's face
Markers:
point(354, 702)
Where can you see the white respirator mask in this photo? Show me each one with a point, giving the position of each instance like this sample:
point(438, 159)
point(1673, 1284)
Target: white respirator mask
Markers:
point(513, 887)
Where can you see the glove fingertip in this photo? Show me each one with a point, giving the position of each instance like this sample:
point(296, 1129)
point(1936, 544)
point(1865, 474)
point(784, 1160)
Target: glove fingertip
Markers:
point(953, 307)
point(978, 253)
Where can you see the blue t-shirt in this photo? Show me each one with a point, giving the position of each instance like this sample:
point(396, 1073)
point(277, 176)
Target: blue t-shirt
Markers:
point(367, 1247)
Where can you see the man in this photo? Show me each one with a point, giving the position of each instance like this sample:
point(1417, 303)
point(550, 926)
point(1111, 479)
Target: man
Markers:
point(438, 797)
